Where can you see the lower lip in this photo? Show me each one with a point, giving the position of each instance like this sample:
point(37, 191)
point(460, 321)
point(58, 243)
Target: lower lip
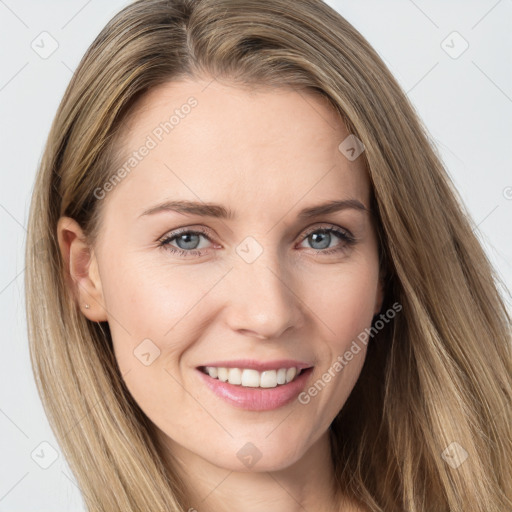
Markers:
point(257, 399)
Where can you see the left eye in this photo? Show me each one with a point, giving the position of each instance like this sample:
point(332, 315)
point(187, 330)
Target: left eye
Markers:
point(188, 242)
point(324, 236)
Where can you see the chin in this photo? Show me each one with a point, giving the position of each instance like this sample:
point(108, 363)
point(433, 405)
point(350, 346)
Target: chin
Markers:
point(254, 454)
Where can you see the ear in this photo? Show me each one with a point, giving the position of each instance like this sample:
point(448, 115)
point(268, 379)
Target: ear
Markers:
point(82, 269)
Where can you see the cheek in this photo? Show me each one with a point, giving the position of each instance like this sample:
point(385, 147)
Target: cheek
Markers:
point(145, 300)
point(345, 301)
point(152, 312)
point(344, 307)
point(141, 306)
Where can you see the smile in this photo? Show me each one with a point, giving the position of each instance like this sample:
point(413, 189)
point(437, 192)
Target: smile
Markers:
point(255, 385)
point(250, 378)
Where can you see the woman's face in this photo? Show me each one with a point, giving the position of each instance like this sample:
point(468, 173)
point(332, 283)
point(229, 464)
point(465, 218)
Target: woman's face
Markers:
point(240, 280)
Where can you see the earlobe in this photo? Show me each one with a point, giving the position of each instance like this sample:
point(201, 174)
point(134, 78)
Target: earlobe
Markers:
point(81, 267)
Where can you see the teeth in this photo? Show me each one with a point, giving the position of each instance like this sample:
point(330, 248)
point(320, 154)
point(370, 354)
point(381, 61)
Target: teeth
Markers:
point(252, 378)
point(222, 374)
point(268, 379)
point(290, 374)
point(234, 376)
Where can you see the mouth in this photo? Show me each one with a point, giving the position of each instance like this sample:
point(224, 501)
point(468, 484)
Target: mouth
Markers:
point(256, 386)
point(251, 378)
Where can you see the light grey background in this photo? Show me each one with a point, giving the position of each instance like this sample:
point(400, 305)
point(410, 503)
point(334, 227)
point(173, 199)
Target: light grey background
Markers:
point(465, 102)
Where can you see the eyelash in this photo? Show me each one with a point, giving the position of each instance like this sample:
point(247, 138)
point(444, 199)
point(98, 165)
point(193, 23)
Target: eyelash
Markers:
point(347, 241)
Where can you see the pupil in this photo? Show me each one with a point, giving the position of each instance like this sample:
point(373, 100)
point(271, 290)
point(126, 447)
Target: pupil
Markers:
point(326, 240)
point(186, 239)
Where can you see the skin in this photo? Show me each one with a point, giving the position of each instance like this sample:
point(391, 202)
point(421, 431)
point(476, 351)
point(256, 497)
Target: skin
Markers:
point(266, 154)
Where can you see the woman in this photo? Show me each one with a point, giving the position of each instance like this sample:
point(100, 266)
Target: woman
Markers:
point(262, 290)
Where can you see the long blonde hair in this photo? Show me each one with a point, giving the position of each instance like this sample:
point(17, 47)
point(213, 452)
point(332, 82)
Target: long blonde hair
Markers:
point(439, 373)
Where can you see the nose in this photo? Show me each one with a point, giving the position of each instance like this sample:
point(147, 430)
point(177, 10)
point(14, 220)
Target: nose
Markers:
point(262, 301)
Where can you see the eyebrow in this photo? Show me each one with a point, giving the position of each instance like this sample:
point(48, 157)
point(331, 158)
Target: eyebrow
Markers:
point(220, 212)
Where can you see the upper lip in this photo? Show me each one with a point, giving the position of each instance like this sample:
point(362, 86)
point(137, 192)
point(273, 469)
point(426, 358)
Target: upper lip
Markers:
point(252, 364)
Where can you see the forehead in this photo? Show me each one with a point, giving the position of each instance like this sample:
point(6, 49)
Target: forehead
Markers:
point(224, 143)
